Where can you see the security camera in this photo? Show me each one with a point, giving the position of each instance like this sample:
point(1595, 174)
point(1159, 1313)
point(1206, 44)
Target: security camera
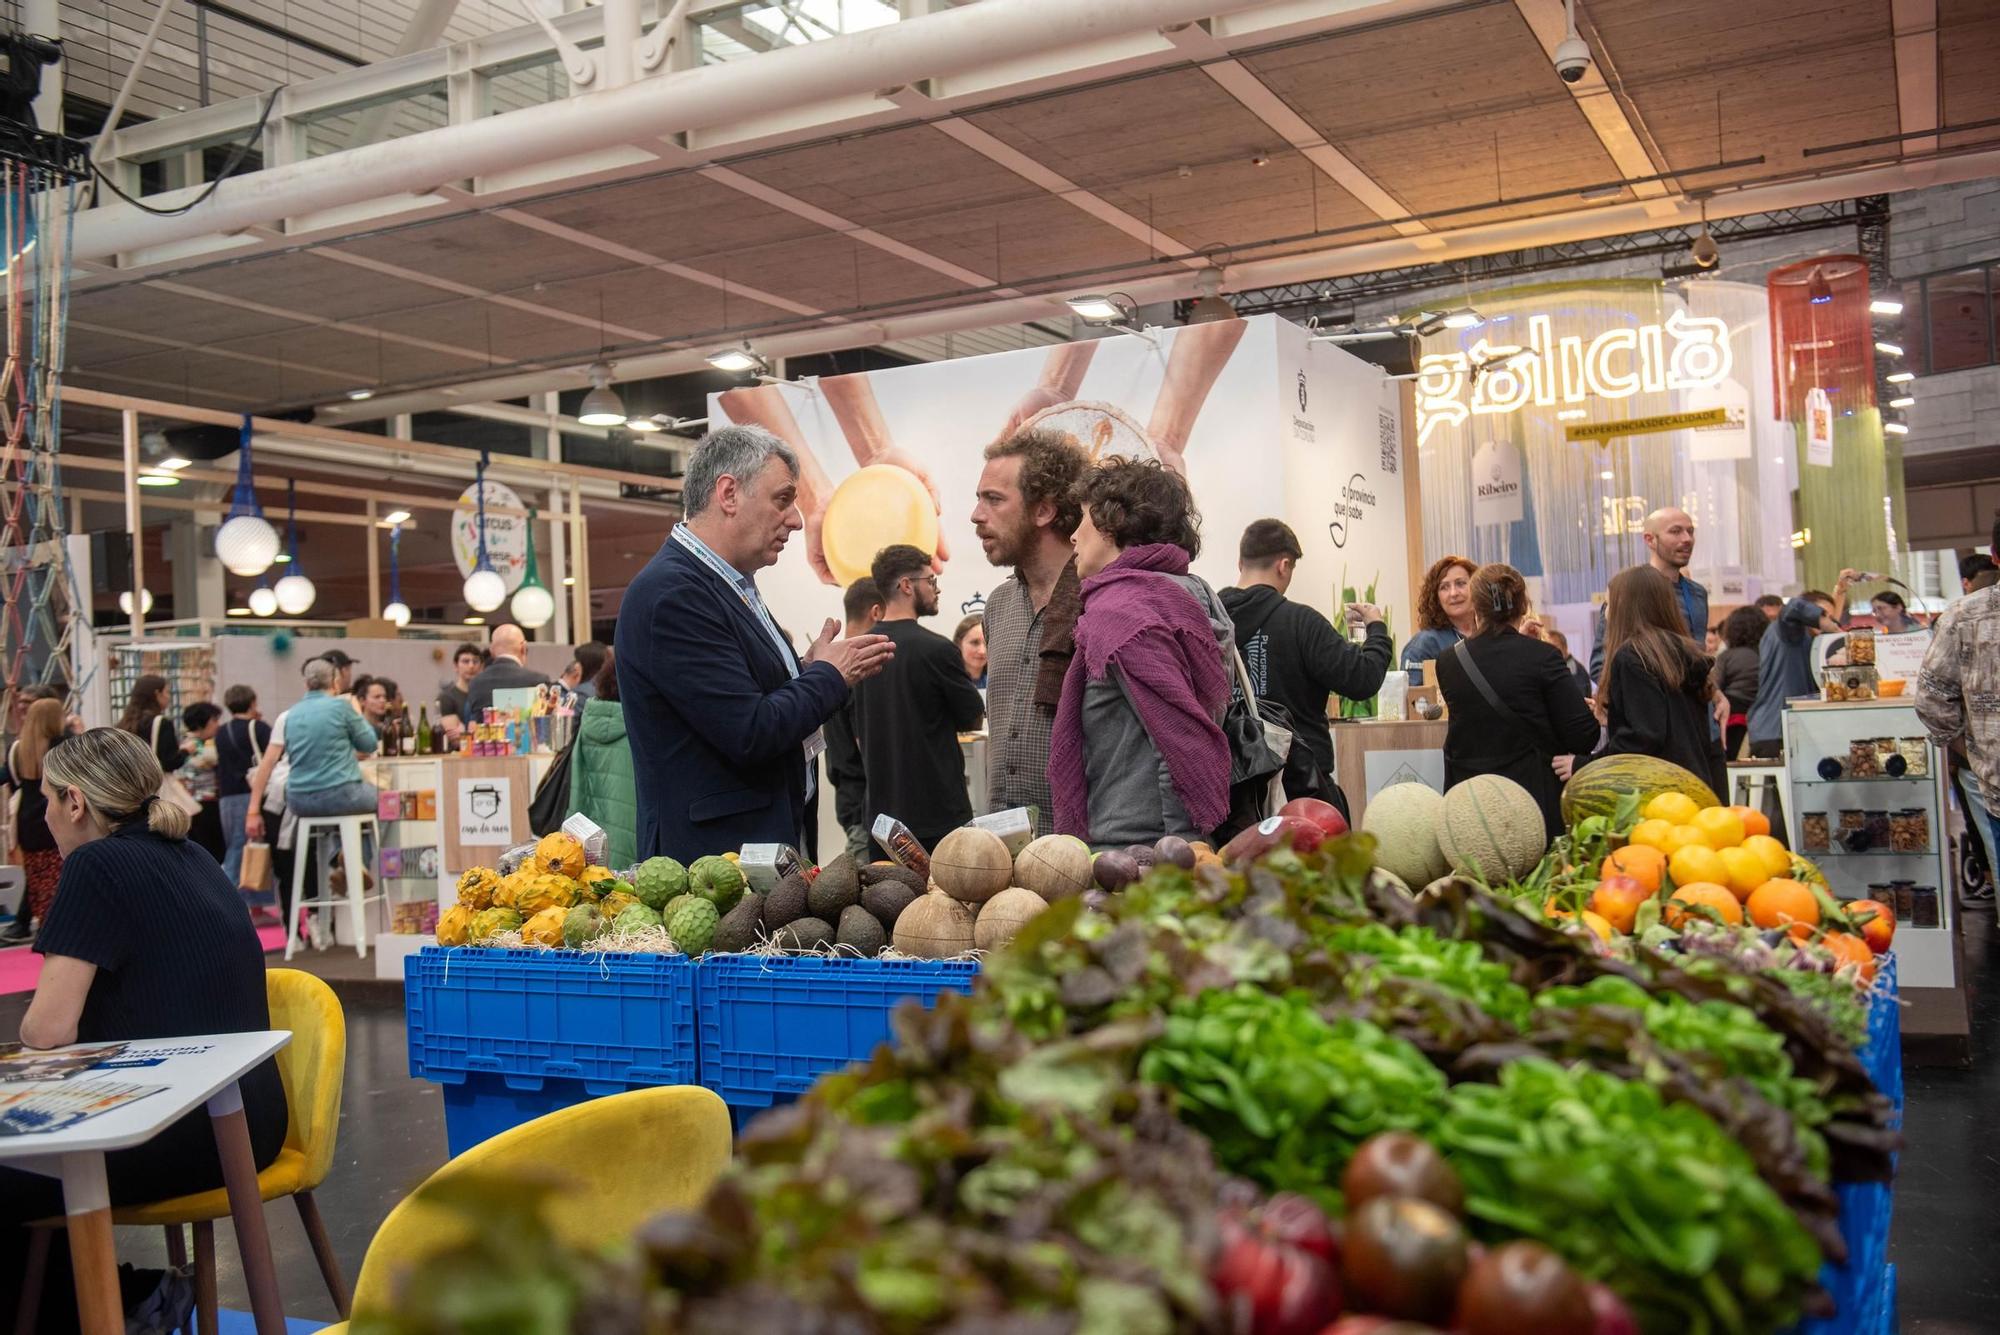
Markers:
point(1572, 58)
point(1572, 54)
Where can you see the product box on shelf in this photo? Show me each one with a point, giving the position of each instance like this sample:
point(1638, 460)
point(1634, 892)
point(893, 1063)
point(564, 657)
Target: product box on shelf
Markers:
point(770, 1026)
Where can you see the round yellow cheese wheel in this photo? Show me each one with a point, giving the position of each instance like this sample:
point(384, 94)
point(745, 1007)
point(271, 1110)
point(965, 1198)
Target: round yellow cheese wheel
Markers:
point(877, 507)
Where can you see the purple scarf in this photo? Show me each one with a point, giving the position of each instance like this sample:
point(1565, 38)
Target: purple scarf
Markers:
point(1138, 619)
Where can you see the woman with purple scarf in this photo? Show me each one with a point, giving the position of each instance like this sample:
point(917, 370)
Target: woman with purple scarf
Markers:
point(1138, 750)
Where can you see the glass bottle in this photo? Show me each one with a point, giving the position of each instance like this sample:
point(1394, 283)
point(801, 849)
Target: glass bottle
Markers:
point(424, 730)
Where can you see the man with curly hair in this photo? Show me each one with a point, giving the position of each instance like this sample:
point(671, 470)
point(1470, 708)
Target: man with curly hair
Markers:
point(1025, 514)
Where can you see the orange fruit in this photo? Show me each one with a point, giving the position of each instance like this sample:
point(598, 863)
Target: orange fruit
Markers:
point(1674, 808)
point(1784, 903)
point(1880, 930)
point(1681, 836)
point(1617, 899)
point(1697, 862)
point(1754, 821)
point(1707, 895)
point(1653, 834)
point(1746, 871)
point(1597, 924)
point(1722, 827)
point(1848, 950)
point(1777, 859)
point(1642, 862)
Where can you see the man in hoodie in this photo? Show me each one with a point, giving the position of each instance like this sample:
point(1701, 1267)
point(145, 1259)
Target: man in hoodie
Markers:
point(1294, 655)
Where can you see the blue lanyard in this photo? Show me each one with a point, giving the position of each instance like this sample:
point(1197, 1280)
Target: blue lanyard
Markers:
point(742, 588)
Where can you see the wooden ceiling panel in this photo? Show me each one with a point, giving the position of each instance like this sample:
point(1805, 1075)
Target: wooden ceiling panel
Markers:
point(1969, 53)
point(1018, 242)
point(1786, 75)
point(359, 359)
point(1134, 130)
point(482, 251)
point(143, 309)
point(308, 283)
point(1419, 106)
point(101, 347)
point(1235, 204)
point(684, 217)
point(831, 272)
point(505, 334)
point(912, 173)
point(658, 303)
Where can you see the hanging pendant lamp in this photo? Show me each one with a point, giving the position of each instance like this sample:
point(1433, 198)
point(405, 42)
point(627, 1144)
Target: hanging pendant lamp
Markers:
point(246, 544)
point(533, 604)
point(295, 592)
point(485, 590)
point(262, 601)
point(397, 611)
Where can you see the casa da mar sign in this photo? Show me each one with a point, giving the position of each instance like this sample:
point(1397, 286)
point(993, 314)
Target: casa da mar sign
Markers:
point(1687, 352)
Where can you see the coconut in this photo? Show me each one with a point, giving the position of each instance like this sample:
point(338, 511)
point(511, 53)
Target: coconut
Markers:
point(1054, 866)
point(971, 864)
point(1003, 915)
point(936, 927)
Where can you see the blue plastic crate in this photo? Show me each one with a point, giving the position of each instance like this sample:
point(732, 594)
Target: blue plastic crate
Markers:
point(1859, 1288)
point(1882, 1054)
point(479, 1107)
point(1888, 1324)
point(608, 1022)
point(772, 1026)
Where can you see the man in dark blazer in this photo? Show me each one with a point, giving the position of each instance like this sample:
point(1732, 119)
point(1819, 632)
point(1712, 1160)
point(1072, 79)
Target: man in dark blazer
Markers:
point(507, 672)
point(723, 720)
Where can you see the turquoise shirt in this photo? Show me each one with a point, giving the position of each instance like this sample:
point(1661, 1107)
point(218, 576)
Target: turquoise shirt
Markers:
point(322, 733)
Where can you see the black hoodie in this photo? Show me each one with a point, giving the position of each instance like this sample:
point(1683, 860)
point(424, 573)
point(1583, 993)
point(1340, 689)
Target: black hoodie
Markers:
point(1297, 658)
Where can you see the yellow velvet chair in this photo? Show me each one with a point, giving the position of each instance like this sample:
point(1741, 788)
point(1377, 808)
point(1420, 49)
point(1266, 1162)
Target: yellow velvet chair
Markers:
point(600, 1195)
point(313, 1066)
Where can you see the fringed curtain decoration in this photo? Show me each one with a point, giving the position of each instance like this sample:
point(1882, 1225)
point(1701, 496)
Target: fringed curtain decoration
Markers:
point(1822, 337)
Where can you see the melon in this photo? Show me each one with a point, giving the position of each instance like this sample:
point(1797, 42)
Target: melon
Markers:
point(1491, 829)
point(1054, 866)
point(1404, 818)
point(1595, 789)
point(972, 864)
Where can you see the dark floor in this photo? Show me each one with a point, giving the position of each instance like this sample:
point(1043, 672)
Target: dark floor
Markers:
point(1946, 1239)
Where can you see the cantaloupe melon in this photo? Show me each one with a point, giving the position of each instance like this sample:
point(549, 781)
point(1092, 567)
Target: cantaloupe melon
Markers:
point(1492, 829)
point(1595, 789)
point(1404, 819)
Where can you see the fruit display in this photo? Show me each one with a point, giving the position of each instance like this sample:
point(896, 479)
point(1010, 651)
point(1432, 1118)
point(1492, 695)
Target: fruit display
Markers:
point(1596, 788)
point(1285, 1095)
point(1404, 819)
point(1490, 827)
point(560, 854)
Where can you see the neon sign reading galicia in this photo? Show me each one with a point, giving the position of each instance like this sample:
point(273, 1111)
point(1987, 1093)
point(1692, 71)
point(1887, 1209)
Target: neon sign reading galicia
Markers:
point(1616, 364)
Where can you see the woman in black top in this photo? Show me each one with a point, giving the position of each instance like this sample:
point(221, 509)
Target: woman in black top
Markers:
point(1736, 670)
point(1539, 715)
point(147, 939)
point(146, 718)
point(41, 728)
point(1656, 688)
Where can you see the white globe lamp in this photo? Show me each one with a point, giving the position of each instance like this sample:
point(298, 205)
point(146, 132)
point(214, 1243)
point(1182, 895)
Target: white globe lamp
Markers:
point(246, 545)
point(485, 590)
point(263, 602)
point(399, 613)
point(295, 595)
point(145, 602)
point(533, 606)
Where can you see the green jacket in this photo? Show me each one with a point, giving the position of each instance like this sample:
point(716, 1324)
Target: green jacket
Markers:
point(601, 785)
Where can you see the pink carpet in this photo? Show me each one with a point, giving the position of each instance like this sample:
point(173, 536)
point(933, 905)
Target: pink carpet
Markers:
point(20, 967)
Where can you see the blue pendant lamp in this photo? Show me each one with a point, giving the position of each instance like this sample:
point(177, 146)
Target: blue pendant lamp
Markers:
point(397, 611)
point(485, 590)
point(295, 592)
point(246, 544)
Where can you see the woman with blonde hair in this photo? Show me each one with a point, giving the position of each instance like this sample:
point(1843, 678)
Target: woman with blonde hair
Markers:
point(41, 728)
point(146, 939)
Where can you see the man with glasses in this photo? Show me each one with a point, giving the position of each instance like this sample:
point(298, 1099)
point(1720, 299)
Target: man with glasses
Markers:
point(907, 719)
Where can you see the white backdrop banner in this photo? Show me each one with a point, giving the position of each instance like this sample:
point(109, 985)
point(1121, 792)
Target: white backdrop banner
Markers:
point(1262, 422)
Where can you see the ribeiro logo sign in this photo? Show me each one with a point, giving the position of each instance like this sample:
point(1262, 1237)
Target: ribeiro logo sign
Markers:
point(1687, 352)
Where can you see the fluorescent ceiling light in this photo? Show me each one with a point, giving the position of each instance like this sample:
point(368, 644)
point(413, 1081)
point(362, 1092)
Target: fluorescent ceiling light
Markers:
point(1464, 319)
point(395, 517)
point(1359, 336)
point(1096, 308)
point(1896, 428)
point(738, 361)
point(1888, 349)
point(360, 395)
point(1606, 474)
point(641, 424)
point(158, 480)
point(1901, 377)
point(475, 621)
point(1884, 306)
point(239, 611)
point(1905, 402)
point(173, 463)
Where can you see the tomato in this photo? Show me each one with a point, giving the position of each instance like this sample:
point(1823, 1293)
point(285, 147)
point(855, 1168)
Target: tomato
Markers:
point(1273, 1284)
point(1523, 1286)
point(1404, 1258)
point(1396, 1163)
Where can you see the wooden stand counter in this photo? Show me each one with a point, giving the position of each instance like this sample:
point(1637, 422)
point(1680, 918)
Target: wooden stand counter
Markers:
point(1371, 754)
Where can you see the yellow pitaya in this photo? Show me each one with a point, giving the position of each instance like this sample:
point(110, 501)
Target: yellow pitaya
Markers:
point(545, 928)
point(542, 890)
point(476, 887)
point(454, 925)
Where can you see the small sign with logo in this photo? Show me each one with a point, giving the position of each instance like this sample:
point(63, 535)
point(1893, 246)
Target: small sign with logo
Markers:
point(486, 811)
point(1819, 428)
point(1496, 483)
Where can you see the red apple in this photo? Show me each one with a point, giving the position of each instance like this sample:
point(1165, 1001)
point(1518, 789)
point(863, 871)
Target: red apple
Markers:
point(1270, 833)
point(1323, 814)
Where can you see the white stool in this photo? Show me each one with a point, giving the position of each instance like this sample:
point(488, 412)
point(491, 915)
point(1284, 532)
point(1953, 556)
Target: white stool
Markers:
point(350, 829)
point(1755, 781)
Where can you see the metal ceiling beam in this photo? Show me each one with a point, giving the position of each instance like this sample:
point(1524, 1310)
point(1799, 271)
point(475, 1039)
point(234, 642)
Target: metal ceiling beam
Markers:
point(1915, 25)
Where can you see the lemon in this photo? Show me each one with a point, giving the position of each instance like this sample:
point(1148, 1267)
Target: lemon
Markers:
point(1674, 808)
point(1776, 859)
point(1746, 870)
point(1697, 862)
point(1653, 834)
point(1680, 836)
point(1722, 827)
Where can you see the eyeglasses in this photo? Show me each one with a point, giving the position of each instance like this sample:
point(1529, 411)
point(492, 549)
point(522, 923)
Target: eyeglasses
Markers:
point(930, 579)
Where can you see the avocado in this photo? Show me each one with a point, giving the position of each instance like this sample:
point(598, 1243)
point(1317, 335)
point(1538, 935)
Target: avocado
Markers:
point(737, 932)
point(877, 873)
point(887, 899)
point(837, 888)
point(859, 929)
point(786, 903)
point(805, 934)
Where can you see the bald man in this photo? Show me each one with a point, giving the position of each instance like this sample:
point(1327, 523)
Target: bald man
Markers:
point(508, 671)
point(1669, 537)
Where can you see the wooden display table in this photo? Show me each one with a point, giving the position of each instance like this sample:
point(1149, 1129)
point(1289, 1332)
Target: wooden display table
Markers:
point(1371, 754)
